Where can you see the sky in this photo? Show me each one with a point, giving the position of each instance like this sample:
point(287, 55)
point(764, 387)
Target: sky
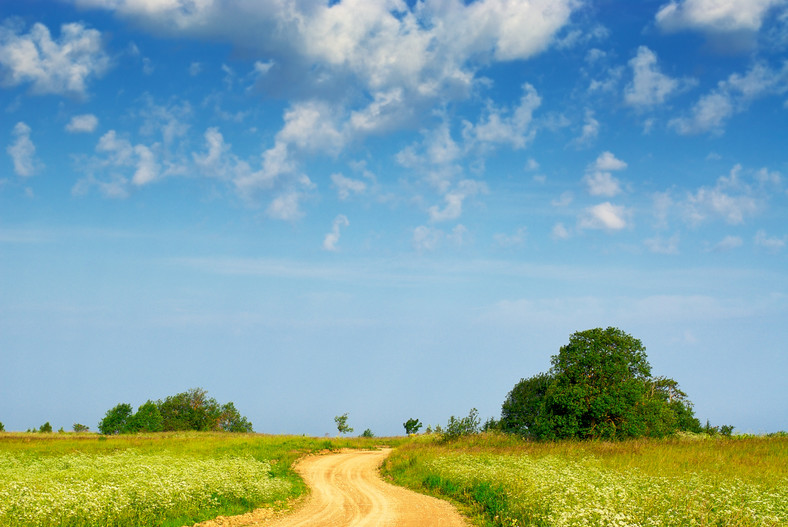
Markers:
point(392, 209)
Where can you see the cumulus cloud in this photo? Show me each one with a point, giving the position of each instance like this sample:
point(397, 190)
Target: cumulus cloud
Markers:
point(285, 207)
point(455, 198)
point(732, 96)
point(773, 244)
point(332, 238)
point(649, 86)
point(598, 177)
point(604, 216)
point(85, 123)
point(590, 129)
point(499, 128)
point(23, 151)
point(63, 66)
point(560, 232)
point(731, 199)
point(715, 15)
point(346, 186)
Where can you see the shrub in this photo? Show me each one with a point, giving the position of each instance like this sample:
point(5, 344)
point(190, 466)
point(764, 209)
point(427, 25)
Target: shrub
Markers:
point(367, 433)
point(46, 428)
point(2, 428)
point(412, 426)
point(80, 428)
point(465, 426)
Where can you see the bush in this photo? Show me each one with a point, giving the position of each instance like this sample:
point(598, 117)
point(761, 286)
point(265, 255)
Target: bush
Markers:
point(412, 426)
point(367, 433)
point(465, 426)
point(80, 428)
point(2, 428)
point(46, 428)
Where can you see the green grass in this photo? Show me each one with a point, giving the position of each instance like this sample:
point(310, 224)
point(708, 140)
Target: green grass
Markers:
point(168, 479)
point(502, 480)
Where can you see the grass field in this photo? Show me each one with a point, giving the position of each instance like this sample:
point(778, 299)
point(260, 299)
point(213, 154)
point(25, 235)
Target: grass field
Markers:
point(504, 481)
point(165, 479)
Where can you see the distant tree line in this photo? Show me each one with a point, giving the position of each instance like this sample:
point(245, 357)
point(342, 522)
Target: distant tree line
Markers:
point(189, 410)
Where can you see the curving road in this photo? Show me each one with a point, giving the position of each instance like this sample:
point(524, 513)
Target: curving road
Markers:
point(347, 491)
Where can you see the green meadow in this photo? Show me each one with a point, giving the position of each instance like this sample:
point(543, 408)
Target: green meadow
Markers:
point(689, 480)
point(163, 479)
point(176, 479)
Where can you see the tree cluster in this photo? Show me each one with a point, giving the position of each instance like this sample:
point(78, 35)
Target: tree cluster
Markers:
point(190, 410)
point(599, 387)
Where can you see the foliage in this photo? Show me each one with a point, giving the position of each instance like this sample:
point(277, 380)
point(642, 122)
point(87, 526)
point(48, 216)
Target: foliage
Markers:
point(412, 426)
point(459, 427)
point(342, 426)
point(231, 420)
point(505, 481)
point(599, 387)
point(80, 428)
point(45, 428)
point(2, 428)
point(367, 433)
point(189, 410)
point(117, 420)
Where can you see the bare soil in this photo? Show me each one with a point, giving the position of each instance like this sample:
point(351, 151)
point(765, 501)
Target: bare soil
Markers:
point(347, 491)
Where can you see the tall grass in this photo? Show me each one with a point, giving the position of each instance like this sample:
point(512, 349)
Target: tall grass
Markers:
point(171, 479)
point(678, 482)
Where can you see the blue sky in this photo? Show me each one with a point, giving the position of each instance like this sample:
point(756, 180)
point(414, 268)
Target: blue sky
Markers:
point(391, 209)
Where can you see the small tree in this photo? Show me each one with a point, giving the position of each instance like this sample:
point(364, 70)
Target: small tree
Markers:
point(46, 428)
point(80, 428)
point(412, 426)
point(116, 420)
point(462, 427)
point(2, 428)
point(367, 433)
point(231, 420)
point(342, 426)
point(147, 419)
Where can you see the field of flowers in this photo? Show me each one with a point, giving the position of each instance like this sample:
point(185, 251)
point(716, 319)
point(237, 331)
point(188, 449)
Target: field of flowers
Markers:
point(648, 484)
point(169, 480)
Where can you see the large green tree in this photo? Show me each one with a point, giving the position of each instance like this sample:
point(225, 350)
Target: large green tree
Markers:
point(599, 387)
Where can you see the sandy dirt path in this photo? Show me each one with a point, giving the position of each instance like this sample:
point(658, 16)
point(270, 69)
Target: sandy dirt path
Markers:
point(348, 491)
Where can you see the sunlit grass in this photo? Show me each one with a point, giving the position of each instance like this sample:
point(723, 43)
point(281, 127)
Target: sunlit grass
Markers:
point(75, 480)
point(678, 482)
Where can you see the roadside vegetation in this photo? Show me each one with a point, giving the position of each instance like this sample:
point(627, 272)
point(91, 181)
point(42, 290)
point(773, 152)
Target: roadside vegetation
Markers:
point(690, 479)
point(164, 479)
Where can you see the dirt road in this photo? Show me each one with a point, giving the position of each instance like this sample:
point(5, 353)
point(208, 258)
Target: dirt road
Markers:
point(348, 491)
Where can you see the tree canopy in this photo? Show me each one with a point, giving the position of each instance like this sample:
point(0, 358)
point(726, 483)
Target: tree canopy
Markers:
point(189, 410)
point(599, 387)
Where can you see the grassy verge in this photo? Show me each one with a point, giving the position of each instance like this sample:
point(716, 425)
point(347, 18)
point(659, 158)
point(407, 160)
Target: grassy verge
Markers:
point(503, 481)
point(170, 479)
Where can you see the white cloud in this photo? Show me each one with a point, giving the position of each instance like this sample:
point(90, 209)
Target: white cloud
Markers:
point(730, 198)
point(732, 96)
point(511, 240)
point(661, 245)
point(430, 238)
point(560, 232)
point(346, 186)
point(728, 244)
point(773, 244)
point(590, 129)
point(332, 238)
point(649, 86)
point(455, 198)
point(598, 175)
point(85, 123)
point(715, 15)
point(514, 129)
point(604, 216)
point(564, 200)
point(23, 151)
point(61, 66)
point(285, 207)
